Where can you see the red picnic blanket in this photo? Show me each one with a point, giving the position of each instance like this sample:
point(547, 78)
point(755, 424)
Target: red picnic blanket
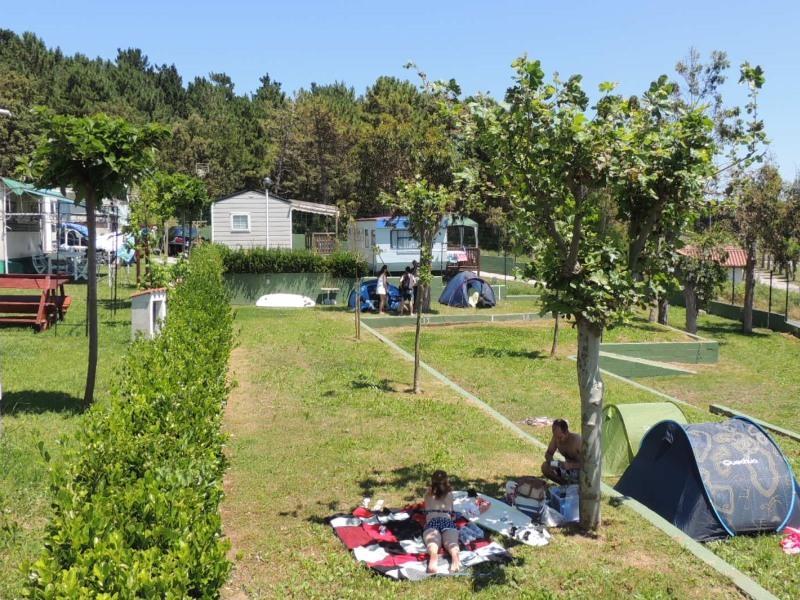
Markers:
point(390, 542)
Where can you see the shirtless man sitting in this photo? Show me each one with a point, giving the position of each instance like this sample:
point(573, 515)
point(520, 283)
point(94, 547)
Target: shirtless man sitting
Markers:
point(569, 445)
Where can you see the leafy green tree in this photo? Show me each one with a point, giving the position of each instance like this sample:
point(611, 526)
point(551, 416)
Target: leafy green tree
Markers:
point(98, 157)
point(17, 95)
point(321, 158)
point(403, 134)
point(425, 206)
point(779, 236)
point(163, 196)
point(592, 188)
point(181, 195)
point(701, 273)
point(749, 213)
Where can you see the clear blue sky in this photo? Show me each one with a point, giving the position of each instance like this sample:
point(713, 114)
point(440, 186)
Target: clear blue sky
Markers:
point(298, 42)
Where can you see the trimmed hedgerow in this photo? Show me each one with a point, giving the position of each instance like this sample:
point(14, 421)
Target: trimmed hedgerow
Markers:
point(136, 502)
point(261, 260)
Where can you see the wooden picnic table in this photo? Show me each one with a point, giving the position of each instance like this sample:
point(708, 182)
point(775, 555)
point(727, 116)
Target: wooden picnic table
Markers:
point(38, 310)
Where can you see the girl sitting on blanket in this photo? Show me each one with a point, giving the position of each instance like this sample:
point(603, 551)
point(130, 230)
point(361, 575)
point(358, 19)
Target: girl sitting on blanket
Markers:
point(440, 530)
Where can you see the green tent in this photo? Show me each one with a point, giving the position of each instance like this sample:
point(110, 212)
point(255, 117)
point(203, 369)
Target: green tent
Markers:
point(624, 426)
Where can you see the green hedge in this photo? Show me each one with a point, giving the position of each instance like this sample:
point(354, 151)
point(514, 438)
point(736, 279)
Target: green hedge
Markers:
point(261, 260)
point(136, 501)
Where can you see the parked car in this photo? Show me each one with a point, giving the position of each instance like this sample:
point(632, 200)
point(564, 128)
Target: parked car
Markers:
point(178, 241)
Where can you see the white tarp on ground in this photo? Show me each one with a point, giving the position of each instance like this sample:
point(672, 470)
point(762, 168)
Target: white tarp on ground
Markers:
point(285, 301)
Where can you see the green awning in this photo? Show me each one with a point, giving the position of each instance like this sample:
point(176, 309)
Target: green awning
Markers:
point(19, 188)
point(452, 221)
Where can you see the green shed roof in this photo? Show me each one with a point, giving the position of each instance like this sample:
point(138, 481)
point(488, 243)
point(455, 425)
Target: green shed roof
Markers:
point(19, 188)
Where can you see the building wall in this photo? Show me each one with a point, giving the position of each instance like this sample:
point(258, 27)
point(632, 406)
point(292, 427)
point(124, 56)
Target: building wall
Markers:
point(280, 224)
point(250, 203)
point(396, 259)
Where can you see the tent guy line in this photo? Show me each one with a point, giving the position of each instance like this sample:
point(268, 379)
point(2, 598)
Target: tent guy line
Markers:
point(739, 579)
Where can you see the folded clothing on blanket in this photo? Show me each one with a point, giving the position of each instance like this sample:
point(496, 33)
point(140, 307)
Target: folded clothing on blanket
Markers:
point(390, 542)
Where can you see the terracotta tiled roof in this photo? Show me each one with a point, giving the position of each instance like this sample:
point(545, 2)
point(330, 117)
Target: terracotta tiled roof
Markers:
point(736, 257)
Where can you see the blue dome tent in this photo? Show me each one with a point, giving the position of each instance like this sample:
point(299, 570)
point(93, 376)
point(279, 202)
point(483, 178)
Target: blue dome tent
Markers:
point(369, 297)
point(714, 480)
point(464, 286)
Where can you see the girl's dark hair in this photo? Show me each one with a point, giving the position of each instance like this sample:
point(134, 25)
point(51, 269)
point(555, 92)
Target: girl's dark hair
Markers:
point(384, 268)
point(440, 484)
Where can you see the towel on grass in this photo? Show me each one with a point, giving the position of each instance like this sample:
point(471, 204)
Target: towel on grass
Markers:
point(390, 543)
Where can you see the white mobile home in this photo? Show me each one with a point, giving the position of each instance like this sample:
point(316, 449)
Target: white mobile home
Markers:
point(28, 220)
point(387, 241)
point(253, 219)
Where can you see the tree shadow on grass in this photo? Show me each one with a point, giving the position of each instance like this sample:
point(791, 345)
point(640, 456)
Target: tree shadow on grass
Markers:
point(414, 479)
point(40, 401)
point(484, 352)
point(108, 304)
point(364, 382)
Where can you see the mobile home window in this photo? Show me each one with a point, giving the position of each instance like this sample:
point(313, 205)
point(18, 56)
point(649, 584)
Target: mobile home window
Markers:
point(469, 240)
point(401, 239)
point(366, 238)
point(240, 222)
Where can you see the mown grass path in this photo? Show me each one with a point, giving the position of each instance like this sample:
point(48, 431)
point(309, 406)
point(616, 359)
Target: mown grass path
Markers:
point(318, 420)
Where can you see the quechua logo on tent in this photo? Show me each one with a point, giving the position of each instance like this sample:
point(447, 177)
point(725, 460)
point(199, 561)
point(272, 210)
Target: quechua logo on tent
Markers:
point(742, 461)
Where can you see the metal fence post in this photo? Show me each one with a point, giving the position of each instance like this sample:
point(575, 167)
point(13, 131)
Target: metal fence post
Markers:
point(786, 309)
point(769, 304)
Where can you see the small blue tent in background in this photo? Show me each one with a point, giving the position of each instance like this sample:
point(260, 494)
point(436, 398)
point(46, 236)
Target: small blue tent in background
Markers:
point(465, 286)
point(369, 297)
point(712, 480)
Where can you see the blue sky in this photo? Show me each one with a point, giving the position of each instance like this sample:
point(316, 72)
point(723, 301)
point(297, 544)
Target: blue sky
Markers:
point(298, 42)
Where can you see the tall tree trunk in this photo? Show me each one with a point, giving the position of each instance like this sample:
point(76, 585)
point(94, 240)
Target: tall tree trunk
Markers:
point(417, 389)
point(591, 390)
point(358, 308)
point(554, 347)
point(91, 299)
point(663, 310)
point(690, 299)
point(749, 289)
point(652, 315)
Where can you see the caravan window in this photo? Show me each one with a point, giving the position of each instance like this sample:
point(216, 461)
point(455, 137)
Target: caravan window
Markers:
point(366, 238)
point(469, 240)
point(460, 236)
point(454, 236)
point(72, 238)
point(401, 240)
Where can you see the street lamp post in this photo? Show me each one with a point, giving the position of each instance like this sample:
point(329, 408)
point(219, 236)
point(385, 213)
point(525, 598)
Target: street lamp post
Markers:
point(267, 185)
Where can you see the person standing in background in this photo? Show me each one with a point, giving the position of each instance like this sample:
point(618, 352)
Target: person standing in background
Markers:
point(415, 305)
point(382, 289)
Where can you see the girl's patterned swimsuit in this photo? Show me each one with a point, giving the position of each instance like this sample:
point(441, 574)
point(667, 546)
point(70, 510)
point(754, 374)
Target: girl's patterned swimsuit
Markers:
point(441, 524)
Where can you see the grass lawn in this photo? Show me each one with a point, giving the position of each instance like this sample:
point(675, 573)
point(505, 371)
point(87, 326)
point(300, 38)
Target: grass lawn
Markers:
point(318, 420)
point(508, 367)
point(43, 376)
point(761, 299)
point(757, 374)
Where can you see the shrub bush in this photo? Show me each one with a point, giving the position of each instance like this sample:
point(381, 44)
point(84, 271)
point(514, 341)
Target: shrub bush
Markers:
point(136, 501)
point(274, 260)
